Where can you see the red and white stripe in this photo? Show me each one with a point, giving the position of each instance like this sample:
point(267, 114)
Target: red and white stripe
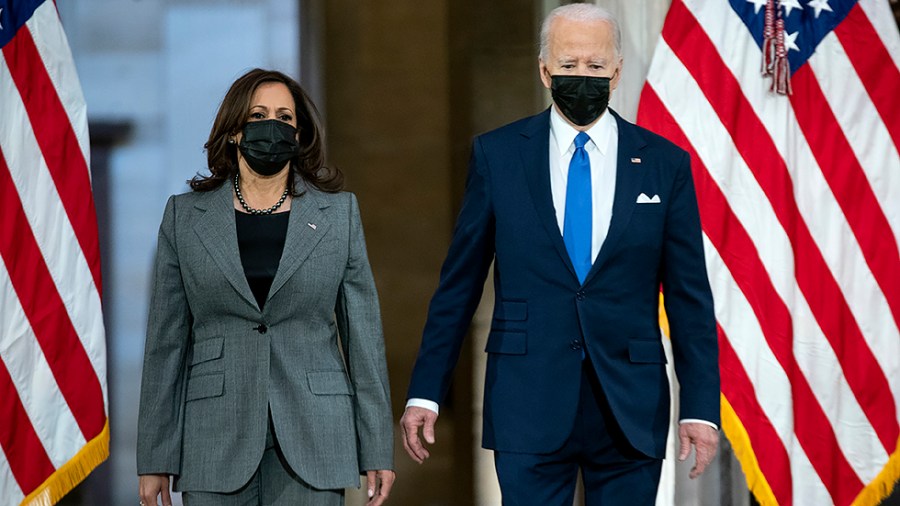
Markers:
point(52, 340)
point(801, 226)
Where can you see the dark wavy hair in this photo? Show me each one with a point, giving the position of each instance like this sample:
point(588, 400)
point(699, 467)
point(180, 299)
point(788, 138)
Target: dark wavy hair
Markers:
point(308, 165)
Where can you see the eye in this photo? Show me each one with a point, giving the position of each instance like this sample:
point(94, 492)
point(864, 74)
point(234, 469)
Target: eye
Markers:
point(568, 66)
point(257, 116)
point(286, 118)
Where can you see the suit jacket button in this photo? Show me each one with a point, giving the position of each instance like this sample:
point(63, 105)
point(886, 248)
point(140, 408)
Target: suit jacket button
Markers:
point(575, 344)
point(261, 328)
point(579, 295)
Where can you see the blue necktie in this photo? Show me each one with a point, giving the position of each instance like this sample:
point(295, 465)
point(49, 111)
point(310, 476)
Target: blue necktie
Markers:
point(577, 224)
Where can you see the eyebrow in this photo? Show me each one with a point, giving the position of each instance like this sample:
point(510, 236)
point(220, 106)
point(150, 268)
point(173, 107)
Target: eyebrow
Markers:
point(573, 59)
point(260, 106)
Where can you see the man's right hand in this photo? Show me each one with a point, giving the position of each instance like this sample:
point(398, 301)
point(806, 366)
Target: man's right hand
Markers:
point(413, 418)
point(153, 485)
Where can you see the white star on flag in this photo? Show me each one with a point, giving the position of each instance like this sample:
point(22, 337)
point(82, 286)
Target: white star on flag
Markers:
point(790, 5)
point(1, 13)
point(757, 5)
point(819, 6)
point(790, 41)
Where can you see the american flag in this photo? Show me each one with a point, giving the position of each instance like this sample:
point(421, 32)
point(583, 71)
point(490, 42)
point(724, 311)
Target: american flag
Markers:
point(53, 409)
point(798, 181)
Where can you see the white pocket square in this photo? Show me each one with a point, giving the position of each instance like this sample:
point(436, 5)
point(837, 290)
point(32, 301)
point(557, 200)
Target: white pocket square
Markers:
point(644, 199)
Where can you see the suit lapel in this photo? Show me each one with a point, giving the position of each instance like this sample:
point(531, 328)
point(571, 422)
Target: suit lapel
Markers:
point(307, 225)
point(628, 181)
point(535, 153)
point(218, 233)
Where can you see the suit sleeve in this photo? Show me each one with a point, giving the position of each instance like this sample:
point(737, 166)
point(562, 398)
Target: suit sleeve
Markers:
point(461, 284)
point(161, 418)
point(689, 303)
point(359, 324)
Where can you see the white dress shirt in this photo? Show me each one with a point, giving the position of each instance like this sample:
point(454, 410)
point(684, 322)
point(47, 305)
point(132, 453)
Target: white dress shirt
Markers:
point(602, 150)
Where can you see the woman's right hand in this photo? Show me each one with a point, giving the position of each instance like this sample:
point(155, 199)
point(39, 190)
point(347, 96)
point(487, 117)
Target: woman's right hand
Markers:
point(153, 485)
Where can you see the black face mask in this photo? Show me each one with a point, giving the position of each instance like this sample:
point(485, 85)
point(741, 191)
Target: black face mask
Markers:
point(268, 145)
point(582, 99)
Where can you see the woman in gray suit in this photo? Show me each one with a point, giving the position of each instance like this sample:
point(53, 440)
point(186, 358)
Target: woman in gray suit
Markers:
point(264, 377)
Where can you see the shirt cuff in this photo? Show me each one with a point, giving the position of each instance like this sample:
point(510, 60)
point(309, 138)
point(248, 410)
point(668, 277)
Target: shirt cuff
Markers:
point(423, 403)
point(695, 420)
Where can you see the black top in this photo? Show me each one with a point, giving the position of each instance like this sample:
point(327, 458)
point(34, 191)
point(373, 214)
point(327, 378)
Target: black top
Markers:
point(261, 241)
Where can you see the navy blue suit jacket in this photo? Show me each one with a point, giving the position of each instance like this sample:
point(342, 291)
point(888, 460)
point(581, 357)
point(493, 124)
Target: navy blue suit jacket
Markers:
point(543, 318)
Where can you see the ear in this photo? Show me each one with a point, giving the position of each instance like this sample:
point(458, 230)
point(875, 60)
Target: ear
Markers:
point(545, 73)
point(616, 76)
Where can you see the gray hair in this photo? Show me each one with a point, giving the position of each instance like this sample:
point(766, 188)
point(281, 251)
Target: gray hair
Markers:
point(579, 12)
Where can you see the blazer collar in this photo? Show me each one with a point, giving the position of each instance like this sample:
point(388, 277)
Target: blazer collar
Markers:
point(307, 225)
point(535, 152)
point(216, 228)
point(628, 181)
point(218, 233)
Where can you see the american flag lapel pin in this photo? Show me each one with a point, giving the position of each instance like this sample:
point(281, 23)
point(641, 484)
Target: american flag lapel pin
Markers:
point(312, 225)
point(635, 160)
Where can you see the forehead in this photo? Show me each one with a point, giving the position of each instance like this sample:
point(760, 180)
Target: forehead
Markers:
point(569, 37)
point(272, 93)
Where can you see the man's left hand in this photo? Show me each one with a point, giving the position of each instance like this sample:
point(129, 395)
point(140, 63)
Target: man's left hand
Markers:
point(705, 440)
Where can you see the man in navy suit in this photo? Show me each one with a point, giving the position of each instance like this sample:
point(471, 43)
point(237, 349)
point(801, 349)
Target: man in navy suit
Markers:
point(585, 217)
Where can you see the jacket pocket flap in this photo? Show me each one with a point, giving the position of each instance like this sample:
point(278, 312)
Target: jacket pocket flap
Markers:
point(646, 351)
point(511, 310)
point(207, 385)
point(328, 383)
point(209, 349)
point(507, 342)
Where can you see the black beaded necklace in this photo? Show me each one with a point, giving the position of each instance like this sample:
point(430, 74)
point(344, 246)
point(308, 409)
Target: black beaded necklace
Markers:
point(237, 191)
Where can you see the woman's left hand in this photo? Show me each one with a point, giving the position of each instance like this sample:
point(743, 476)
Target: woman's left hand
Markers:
point(379, 485)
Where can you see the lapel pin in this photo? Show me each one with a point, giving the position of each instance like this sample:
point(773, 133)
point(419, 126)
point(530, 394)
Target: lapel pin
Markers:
point(312, 225)
point(635, 160)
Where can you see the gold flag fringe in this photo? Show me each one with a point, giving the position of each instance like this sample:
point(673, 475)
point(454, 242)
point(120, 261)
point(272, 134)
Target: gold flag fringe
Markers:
point(871, 495)
point(663, 319)
point(883, 484)
point(70, 474)
point(743, 450)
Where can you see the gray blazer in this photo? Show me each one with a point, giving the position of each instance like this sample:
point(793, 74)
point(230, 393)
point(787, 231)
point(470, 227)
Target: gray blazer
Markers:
point(214, 364)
